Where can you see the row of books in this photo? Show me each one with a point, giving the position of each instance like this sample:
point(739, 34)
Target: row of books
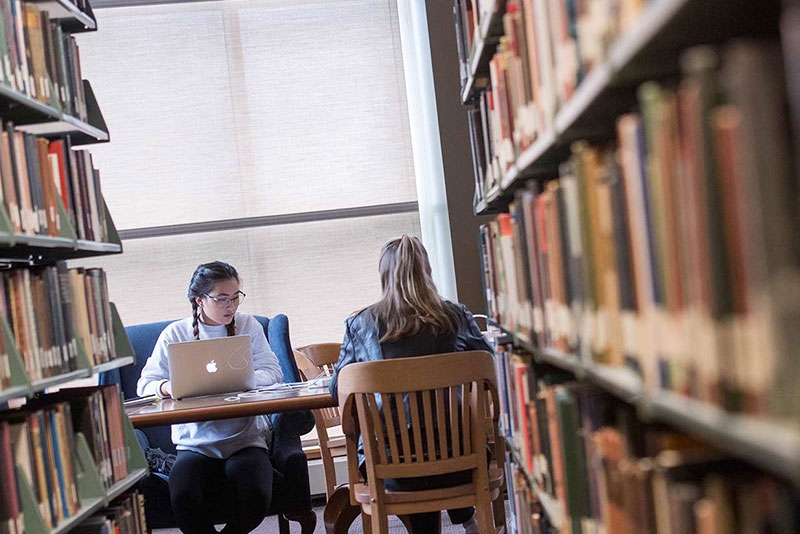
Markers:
point(38, 450)
point(672, 250)
point(48, 309)
point(469, 15)
point(39, 59)
point(603, 470)
point(464, 16)
point(36, 172)
point(547, 48)
point(527, 513)
point(125, 515)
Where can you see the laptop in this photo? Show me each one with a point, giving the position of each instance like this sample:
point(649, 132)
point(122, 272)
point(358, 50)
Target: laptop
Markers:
point(211, 366)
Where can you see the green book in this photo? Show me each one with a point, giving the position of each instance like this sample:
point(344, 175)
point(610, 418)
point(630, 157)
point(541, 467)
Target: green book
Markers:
point(574, 452)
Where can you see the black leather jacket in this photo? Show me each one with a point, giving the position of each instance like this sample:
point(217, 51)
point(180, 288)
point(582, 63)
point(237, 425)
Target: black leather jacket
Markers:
point(361, 339)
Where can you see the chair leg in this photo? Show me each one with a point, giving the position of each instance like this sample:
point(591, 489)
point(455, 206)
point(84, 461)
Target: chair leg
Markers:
point(406, 520)
point(380, 521)
point(283, 524)
point(483, 512)
point(339, 514)
point(307, 520)
point(366, 523)
point(499, 511)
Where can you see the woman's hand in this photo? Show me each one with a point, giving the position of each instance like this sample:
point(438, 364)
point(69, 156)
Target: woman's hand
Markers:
point(165, 389)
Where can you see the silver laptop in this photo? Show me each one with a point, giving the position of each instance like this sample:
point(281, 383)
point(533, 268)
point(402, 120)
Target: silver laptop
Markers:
point(211, 366)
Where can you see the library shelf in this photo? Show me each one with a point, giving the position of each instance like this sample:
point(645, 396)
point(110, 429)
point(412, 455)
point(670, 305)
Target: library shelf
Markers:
point(14, 392)
point(6, 239)
point(531, 155)
point(587, 93)
point(95, 504)
point(97, 247)
point(664, 28)
point(770, 445)
point(32, 116)
point(486, 37)
point(549, 503)
point(773, 446)
point(69, 15)
point(591, 96)
point(37, 249)
point(509, 177)
point(87, 508)
point(20, 108)
point(50, 381)
point(40, 254)
point(116, 363)
point(67, 124)
point(34, 241)
point(621, 382)
point(31, 251)
point(124, 485)
point(556, 358)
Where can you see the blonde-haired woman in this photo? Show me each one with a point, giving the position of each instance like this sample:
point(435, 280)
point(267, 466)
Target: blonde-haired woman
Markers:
point(411, 319)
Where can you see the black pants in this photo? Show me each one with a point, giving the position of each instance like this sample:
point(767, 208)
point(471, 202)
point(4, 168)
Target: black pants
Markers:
point(242, 483)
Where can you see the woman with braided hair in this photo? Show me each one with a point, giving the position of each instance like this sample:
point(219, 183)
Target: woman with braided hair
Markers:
point(211, 452)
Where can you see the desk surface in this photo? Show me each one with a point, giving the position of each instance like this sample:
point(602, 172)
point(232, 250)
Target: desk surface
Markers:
point(171, 411)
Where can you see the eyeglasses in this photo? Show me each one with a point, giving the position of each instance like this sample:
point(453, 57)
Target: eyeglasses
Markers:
point(228, 301)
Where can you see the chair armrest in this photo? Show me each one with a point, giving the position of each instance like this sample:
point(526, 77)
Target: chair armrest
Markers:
point(292, 492)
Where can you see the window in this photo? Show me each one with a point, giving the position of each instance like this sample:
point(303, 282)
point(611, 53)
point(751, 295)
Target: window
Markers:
point(270, 134)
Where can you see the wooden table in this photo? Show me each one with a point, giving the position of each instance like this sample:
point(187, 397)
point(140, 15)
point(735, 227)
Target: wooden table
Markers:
point(171, 411)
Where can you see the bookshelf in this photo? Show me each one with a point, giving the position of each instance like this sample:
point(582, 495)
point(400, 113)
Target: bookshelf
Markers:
point(56, 323)
point(664, 29)
point(772, 446)
point(549, 108)
point(476, 63)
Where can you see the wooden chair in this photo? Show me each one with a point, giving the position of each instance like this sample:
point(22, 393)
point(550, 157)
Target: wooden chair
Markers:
point(312, 360)
point(451, 399)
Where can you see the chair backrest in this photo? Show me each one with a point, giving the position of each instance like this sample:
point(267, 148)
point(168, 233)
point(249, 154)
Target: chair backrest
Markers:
point(143, 339)
point(322, 355)
point(312, 360)
point(420, 416)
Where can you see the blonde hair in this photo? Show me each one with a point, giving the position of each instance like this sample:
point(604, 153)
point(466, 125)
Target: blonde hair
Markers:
point(410, 300)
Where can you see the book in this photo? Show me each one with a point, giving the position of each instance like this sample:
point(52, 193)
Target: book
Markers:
point(80, 307)
point(9, 500)
point(7, 176)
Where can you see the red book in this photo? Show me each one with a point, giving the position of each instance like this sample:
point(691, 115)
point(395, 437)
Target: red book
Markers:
point(56, 149)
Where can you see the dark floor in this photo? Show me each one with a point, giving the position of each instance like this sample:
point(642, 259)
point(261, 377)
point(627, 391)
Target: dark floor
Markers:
point(270, 524)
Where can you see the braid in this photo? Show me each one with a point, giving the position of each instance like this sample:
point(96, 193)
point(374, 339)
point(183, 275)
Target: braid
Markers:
point(231, 326)
point(195, 320)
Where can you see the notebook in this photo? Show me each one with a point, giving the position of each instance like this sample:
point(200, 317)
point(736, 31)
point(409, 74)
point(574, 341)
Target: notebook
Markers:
point(211, 366)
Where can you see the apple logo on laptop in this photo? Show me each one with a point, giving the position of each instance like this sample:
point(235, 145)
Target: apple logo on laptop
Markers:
point(211, 366)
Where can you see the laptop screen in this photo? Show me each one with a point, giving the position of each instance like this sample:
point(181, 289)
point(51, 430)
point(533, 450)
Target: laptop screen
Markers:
point(211, 366)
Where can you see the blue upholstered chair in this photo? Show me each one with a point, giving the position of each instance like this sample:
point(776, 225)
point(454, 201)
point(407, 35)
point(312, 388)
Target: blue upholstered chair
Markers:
point(291, 496)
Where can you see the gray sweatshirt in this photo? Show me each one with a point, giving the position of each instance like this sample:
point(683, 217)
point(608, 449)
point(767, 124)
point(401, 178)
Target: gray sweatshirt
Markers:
point(216, 439)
